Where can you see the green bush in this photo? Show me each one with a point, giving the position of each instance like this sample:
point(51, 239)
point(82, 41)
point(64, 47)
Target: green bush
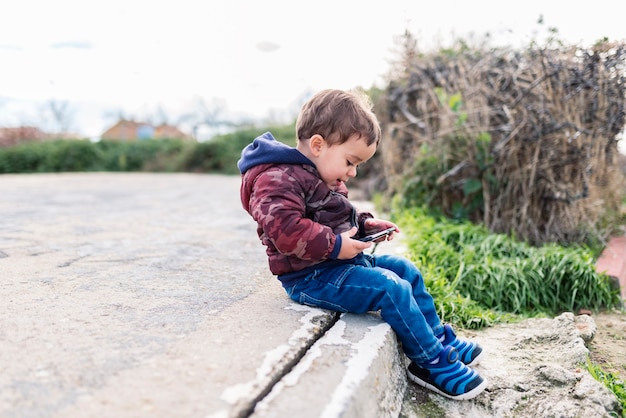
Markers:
point(148, 155)
point(218, 155)
point(23, 158)
point(70, 155)
point(49, 156)
point(206, 157)
point(221, 153)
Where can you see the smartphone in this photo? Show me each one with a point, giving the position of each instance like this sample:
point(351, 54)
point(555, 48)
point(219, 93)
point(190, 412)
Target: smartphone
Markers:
point(377, 235)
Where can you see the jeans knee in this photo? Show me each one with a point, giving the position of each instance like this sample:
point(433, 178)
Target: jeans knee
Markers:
point(399, 289)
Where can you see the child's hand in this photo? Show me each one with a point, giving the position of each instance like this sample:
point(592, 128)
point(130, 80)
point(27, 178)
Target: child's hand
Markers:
point(373, 225)
point(350, 247)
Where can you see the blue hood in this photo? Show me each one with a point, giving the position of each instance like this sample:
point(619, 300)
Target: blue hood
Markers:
point(265, 149)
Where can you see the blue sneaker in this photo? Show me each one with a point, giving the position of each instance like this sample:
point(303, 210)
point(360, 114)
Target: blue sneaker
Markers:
point(470, 353)
point(448, 377)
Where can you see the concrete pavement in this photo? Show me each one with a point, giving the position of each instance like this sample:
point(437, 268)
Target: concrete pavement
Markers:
point(131, 295)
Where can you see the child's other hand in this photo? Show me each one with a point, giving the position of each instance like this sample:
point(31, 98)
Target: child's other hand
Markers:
point(350, 247)
point(373, 225)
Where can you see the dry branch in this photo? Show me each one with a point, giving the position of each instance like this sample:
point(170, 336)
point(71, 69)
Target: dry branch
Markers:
point(553, 118)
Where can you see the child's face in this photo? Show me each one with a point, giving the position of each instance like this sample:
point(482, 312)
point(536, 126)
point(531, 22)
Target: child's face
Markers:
point(338, 163)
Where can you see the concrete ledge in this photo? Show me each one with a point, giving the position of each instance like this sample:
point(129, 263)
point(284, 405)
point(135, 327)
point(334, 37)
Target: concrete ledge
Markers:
point(355, 370)
point(117, 306)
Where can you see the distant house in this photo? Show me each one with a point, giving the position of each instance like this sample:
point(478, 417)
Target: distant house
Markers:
point(128, 130)
point(14, 136)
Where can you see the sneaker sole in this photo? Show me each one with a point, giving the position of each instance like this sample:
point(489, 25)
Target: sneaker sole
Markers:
point(462, 397)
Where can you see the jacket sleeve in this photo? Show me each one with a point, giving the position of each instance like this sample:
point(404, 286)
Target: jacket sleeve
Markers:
point(361, 218)
point(278, 205)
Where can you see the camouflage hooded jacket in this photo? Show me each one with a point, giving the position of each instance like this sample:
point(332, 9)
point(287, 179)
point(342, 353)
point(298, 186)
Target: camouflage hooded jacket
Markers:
point(299, 217)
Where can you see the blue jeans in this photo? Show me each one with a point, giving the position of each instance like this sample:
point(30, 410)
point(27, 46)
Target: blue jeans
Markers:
point(388, 283)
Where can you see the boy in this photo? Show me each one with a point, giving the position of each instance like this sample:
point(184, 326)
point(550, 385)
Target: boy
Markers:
point(300, 202)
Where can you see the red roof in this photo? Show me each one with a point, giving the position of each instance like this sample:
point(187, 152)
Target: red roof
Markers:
point(128, 130)
point(13, 136)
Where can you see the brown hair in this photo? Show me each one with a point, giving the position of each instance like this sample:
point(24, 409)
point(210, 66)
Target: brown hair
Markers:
point(337, 115)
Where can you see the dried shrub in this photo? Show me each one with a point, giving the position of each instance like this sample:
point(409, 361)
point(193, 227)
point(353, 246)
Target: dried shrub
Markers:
point(524, 142)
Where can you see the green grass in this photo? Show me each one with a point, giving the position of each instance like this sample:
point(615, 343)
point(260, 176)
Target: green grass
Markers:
point(611, 381)
point(494, 272)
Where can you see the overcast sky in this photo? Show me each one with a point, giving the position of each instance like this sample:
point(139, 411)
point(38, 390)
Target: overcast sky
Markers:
point(256, 57)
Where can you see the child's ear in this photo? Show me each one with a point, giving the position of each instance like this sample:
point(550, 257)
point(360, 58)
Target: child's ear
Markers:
point(316, 143)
